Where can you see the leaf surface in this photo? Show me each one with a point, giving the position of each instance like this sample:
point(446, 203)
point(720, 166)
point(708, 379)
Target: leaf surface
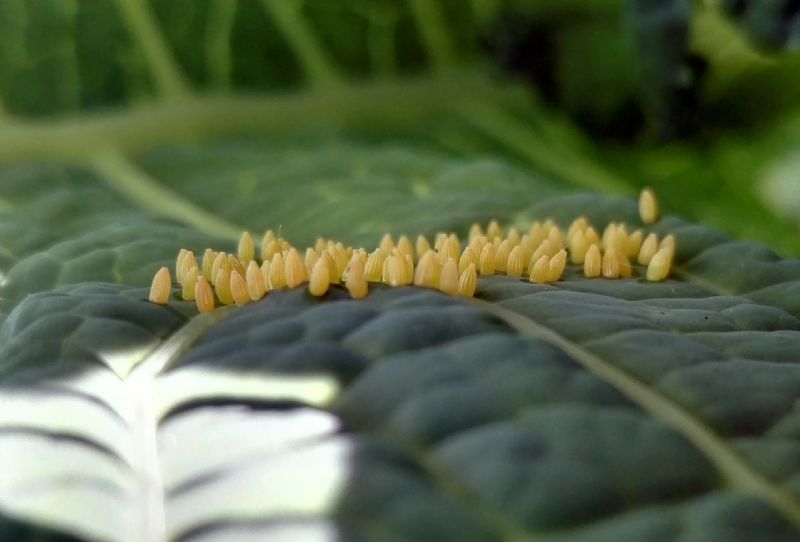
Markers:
point(480, 421)
point(579, 411)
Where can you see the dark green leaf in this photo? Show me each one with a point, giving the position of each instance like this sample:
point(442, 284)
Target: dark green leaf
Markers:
point(578, 411)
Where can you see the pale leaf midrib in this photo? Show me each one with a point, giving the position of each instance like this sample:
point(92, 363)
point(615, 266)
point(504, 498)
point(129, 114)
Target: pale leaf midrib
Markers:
point(139, 388)
point(400, 103)
point(738, 473)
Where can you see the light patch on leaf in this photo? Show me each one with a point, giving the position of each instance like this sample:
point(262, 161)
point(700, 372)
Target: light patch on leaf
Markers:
point(421, 188)
point(66, 414)
point(100, 385)
point(779, 187)
point(306, 530)
point(305, 482)
point(196, 384)
point(65, 484)
point(256, 434)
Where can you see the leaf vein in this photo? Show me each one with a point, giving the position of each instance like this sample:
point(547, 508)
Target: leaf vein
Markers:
point(122, 175)
point(731, 465)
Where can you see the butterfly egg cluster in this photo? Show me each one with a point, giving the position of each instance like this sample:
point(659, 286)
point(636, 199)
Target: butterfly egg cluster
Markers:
point(540, 254)
point(241, 278)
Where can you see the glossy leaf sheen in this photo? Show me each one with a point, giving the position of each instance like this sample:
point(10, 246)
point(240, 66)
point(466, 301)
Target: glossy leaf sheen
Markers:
point(407, 415)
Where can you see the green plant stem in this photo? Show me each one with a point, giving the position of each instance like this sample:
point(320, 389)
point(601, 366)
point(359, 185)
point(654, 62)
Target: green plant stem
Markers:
point(433, 29)
point(397, 103)
point(221, 16)
point(167, 76)
point(125, 177)
point(381, 38)
point(728, 51)
point(319, 69)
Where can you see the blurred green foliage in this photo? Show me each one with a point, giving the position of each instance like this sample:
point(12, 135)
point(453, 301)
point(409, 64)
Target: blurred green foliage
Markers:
point(696, 98)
